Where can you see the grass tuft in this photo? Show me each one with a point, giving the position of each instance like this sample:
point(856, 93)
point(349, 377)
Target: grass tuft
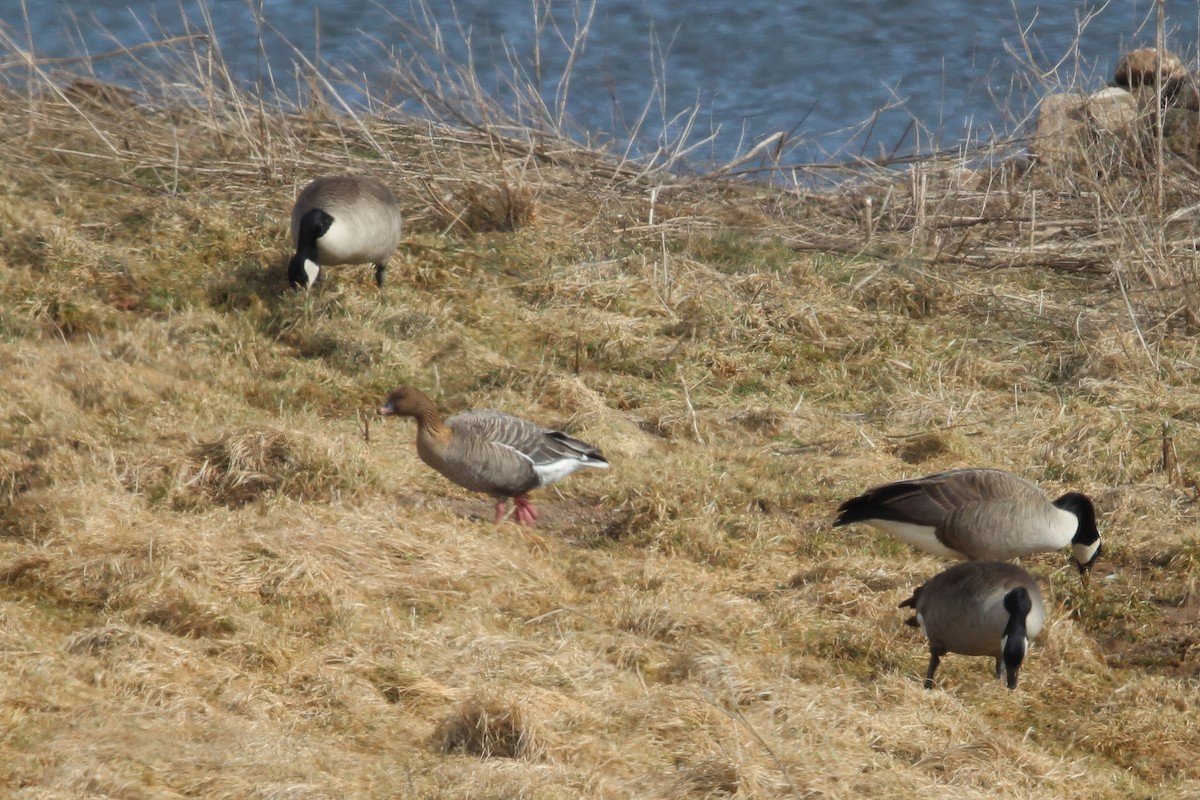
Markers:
point(489, 728)
point(244, 466)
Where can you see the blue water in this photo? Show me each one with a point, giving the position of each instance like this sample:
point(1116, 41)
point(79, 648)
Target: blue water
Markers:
point(820, 70)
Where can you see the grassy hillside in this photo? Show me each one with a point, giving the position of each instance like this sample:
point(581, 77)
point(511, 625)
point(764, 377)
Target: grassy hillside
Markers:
point(221, 576)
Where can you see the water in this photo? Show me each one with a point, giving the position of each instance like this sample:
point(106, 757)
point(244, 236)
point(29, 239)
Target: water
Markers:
point(819, 70)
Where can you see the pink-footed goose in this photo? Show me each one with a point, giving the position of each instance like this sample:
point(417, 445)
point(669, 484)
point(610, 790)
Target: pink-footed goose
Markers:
point(343, 219)
point(980, 608)
point(979, 515)
point(490, 452)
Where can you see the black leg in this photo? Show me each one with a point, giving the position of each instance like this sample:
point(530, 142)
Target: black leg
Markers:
point(999, 667)
point(380, 269)
point(934, 659)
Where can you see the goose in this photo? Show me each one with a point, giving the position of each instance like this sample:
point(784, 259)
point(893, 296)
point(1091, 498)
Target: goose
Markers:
point(343, 219)
point(979, 515)
point(491, 452)
point(979, 608)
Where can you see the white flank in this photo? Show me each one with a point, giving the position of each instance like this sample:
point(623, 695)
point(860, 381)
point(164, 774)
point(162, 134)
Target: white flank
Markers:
point(922, 537)
point(311, 271)
point(341, 244)
point(557, 470)
point(921, 622)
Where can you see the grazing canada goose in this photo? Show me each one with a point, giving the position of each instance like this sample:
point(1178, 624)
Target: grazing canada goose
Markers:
point(343, 219)
point(980, 608)
point(486, 451)
point(979, 515)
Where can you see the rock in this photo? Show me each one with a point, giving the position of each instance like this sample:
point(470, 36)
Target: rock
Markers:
point(1181, 134)
point(1136, 72)
point(1097, 132)
point(1137, 68)
point(1115, 129)
point(1112, 111)
point(1061, 135)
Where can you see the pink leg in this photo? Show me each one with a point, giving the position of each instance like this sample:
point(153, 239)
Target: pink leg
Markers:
point(501, 508)
point(526, 513)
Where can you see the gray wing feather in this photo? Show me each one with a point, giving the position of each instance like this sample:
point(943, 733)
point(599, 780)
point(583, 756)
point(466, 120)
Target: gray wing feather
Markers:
point(536, 444)
point(973, 511)
point(986, 506)
point(497, 453)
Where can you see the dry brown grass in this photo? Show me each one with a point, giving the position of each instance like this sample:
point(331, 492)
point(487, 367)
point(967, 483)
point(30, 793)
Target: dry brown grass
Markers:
point(213, 585)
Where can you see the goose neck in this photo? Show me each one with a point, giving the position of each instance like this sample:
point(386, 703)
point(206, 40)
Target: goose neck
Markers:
point(429, 422)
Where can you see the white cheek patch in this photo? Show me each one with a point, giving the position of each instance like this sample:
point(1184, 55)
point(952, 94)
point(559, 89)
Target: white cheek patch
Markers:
point(1024, 643)
point(311, 270)
point(1085, 552)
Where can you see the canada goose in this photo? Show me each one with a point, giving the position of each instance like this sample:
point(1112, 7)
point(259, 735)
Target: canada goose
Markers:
point(978, 515)
point(343, 219)
point(486, 451)
point(980, 608)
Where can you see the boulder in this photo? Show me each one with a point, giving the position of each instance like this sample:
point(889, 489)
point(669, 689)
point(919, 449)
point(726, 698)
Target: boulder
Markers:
point(1061, 135)
point(1138, 67)
point(1113, 111)
point(1181, 133)
point(1096, 132)
point(1114, 128)
point(1137, 70)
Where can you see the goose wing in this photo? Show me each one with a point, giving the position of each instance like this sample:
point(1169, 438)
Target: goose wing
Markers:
point(995, 515)
point(936, 500)
point(923, 501)
point(521, 454)
point(968, 513)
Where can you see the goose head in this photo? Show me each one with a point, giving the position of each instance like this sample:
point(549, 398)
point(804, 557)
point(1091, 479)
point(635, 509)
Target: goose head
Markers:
point(1085, 545)
point(406, 401)
point(304, 269)
point(1015, 641)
